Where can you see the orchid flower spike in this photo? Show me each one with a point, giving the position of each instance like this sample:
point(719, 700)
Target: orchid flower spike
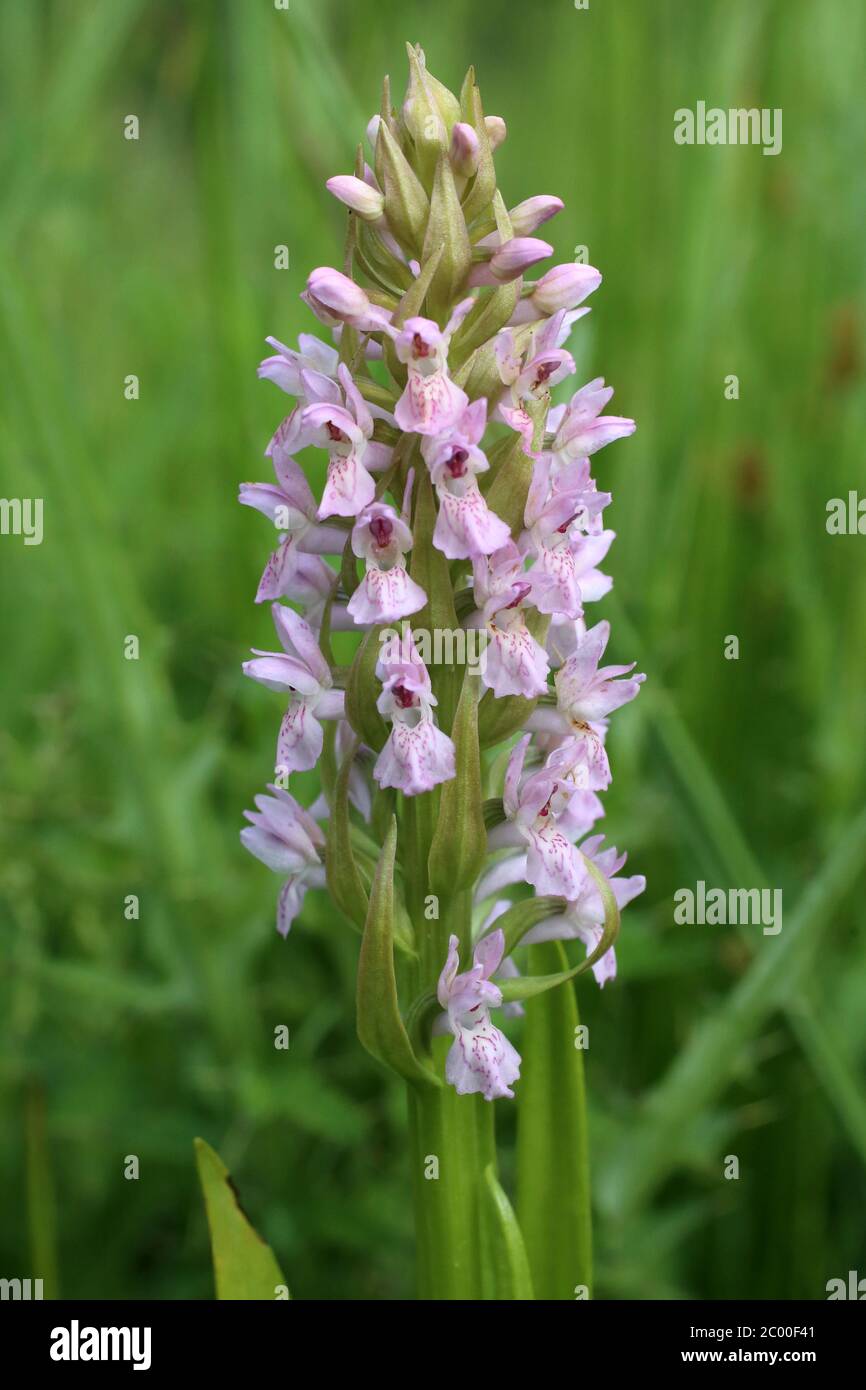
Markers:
point(424, 479)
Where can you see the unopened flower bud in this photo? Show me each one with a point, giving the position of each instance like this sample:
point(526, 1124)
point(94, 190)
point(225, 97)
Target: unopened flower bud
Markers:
point(464, 150)
point(373, 130)
point(564, 287)
point(496, 130)
point(517, 255)
point(367, 202)
point(334, 298)
point(530, 214)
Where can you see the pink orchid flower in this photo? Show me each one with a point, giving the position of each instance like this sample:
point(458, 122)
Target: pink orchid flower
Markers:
point(514, 663)
point(530, 371)
point(285, 367)
point(335, 299)
point(431, 402)
point(583, 919)
point(291, 506)
point(342, 423)
point(585, 695)
point(287, 839)
point(481, 1059)
point(579, 428)
point(562, 287)
point(539, 815)
point(509, 260)
point(559, 511)
point(417, 755)
point(465, 526)
point(381, 538)
point(301, 670)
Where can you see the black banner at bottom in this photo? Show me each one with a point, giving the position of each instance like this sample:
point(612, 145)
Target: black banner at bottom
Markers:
point(73, 1338)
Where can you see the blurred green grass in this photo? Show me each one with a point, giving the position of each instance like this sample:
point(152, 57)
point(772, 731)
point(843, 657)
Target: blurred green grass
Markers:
point(156, 258)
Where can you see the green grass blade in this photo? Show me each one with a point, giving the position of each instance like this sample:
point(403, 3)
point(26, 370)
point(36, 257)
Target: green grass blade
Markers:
point(553, 1192)
point(509, 1264)
point(244, 1266)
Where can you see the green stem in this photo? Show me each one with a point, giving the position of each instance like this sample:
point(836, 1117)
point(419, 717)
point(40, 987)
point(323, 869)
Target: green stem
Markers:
point(447, 1165)
point(451, 1139)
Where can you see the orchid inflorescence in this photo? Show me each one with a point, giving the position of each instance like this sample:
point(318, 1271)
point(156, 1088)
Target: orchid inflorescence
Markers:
point(469, 502)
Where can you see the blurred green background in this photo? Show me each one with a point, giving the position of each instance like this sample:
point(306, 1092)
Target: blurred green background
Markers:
point(156, 258)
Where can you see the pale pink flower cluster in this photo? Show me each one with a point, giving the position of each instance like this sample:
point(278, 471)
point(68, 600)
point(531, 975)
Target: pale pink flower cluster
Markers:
point(528, 584)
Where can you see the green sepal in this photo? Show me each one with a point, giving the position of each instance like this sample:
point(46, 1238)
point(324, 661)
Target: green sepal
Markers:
point(509, 489)
point(379, 263)
point(362, 691)
point(447, 103)
point(423, 118)
point(503, 219)
point(380, 1025)
point(375, 393)
point(349, 569)
point(479, 375)
point(386, 108)
point(446, 229)
point(466, 107)
point(479, 192)
point(527, 986)
point(344, 880)
point(508, 1261)
point(245, 1268)
point(328, 761)
point(498, 719)
point(493, 812)
point(350, 343)
point(429, 567)
point(411, 303)
point(493, 308)
point(407, 206)
point(459, 846)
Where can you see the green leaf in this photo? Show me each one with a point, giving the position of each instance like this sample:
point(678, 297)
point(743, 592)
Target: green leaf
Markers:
point(553, 1193)
point(507, 1259)
point(244, 1266)
point(459, 845)
point(380, 1025)
point(527, 986)
point(522, 916)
